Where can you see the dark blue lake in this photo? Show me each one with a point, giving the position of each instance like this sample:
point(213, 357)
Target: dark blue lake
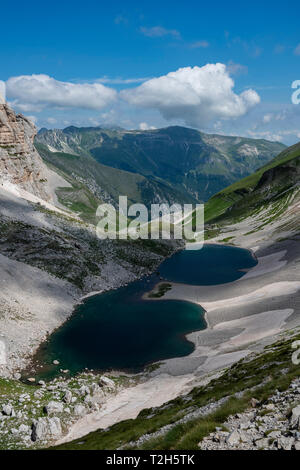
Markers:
point(213, 264)
point(119, 330)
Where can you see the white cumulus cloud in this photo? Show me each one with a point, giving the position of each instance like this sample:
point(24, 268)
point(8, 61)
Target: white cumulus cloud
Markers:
point(35, 92)
point(195, 95)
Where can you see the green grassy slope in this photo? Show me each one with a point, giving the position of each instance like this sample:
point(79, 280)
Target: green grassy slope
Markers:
point(271, 180)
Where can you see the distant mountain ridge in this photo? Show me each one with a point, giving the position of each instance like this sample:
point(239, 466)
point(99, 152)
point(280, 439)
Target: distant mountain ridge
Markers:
point(162, 165)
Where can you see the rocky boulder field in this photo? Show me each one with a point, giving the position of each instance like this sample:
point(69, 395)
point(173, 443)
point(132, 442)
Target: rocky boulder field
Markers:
point(36, 415)
point(274, 425)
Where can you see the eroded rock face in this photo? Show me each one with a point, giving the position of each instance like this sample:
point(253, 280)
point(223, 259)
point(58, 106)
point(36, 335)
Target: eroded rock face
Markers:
point(20, 163)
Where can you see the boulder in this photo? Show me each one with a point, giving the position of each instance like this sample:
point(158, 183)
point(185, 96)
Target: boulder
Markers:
point(254, 402)
point(84, 390)
point(245, 437)
point(88, 399)
point(79, 410)
point(68, 397)
point(233, 439)
point(274, 434)
point(39, 429)
point(46, 428)
point(96, 390)
point(285, 443)
point(295, 418)
point(54, 407)
point(262, 443)
point(54, 427)
point(297, 445)
point(24, 429)
point(7, 410)
point(96, 394)
point(106, 382)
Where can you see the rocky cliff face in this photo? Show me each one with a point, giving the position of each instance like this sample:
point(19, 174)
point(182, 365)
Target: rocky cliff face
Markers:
point(19, 161)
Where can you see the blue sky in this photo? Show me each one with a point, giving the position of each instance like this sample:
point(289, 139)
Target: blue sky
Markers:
point(106, 48)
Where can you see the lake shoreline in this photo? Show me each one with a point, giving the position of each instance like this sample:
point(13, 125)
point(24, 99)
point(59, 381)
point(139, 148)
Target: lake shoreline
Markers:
point(140, 292)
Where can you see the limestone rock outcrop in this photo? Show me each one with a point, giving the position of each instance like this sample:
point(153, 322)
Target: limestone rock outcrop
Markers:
point(20, 163)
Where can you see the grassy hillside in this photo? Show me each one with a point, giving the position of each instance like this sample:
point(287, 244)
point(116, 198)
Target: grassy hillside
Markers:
point(268, 183)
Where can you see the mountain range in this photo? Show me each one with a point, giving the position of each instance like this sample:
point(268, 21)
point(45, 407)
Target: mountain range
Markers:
point(173, 164)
